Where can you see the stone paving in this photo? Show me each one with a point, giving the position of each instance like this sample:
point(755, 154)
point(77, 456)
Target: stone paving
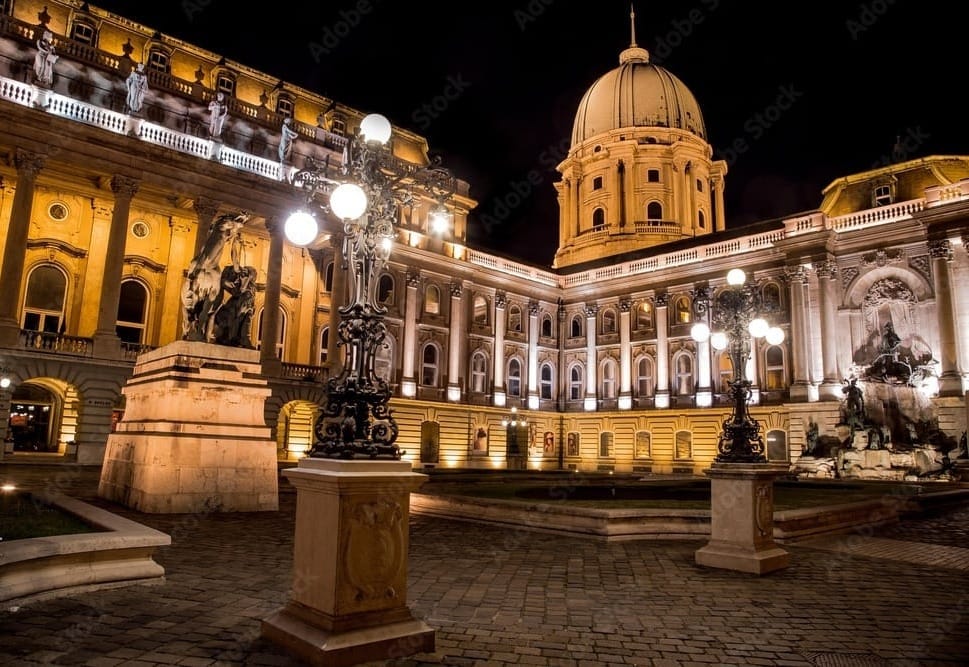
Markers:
point(499, 596)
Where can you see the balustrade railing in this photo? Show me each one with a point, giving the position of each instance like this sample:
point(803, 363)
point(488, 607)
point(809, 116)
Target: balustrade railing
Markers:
point(56, 343)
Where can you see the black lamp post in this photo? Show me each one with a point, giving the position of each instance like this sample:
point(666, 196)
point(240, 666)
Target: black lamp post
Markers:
point(365, 193)
point(737, 314)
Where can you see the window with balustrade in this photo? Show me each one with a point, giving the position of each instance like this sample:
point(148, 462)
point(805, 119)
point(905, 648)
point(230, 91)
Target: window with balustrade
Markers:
point(479, 372)
point(159, 60)
point(84, 32)
point(132, 311)
point(514, 378)
point(44, 299)
point(430, 359)
point(545, 382)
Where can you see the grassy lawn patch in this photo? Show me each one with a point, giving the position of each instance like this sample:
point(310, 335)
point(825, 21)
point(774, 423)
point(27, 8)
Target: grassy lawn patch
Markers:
point(23, 516)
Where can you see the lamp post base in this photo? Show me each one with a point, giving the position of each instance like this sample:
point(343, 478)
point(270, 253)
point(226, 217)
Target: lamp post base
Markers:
point(742, 519)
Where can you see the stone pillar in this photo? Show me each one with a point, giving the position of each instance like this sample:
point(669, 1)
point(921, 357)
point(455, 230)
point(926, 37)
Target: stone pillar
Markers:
point(625, 356)
point(591, 356)
point(454, 344)
point(338, 298)
point(14, 249)
point(742, 519)
point(408, 383)
point(499, 390)
point(704, 392)
point(348, 601)
point(98, 399)
point(106, 341)
point(577, 209)
point(827, 270)
point(950, 381)
point(271, 363)
point(563, 380)
point(662, 398)
point(720, 223)
point(800, 337)
point(533, 355)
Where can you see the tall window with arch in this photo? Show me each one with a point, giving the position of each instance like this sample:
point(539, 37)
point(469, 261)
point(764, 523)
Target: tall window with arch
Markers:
point(771, 294)
point(515, 318)
point(683, 445)
point(644, 377)
point(644, 315)
point(432, 300)
point(654, 212)
point(775, 371)
point(683, 379)
point(132, 311)
point(430, 358)
point(575, 382)
point(575, 327)
point(514, 377)
point(383, 362)
point(480, 311)
point(609, 325)
point(701, 220)
point(545, 375)
point(547, 328)
point(281, 336)
point(479, 372)
point(328, 277)
point(681, 310)
point(598, 219)
point(44, 300)
point(608, 382)
point(324, 345)
point(385, 289)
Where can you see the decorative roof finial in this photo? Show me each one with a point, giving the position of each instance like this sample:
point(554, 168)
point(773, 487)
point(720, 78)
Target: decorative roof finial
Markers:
point(632, 25)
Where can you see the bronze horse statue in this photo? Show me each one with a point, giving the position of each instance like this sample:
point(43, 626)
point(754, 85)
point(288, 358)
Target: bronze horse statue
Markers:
point(202, 290)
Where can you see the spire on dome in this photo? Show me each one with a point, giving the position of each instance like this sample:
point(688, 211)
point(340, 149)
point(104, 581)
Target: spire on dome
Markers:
point(633, 54)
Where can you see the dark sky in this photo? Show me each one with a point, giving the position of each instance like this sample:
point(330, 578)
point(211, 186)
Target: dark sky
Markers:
point(808, 92)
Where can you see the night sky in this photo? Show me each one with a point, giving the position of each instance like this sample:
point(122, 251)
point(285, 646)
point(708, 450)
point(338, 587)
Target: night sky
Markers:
point(794, 95)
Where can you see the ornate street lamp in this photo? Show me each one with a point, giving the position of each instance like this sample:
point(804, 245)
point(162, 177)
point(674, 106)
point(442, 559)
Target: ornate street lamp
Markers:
point(365, 193)
point(738, 315)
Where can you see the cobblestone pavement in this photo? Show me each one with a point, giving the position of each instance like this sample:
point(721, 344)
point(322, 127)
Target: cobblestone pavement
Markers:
point(498, 596)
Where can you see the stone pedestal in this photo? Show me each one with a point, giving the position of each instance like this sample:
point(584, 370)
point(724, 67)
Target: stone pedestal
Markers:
point(742, 519)
point(193, 437)
point(348, 602)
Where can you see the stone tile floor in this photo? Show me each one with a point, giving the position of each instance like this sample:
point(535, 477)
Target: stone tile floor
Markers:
point(499, 596)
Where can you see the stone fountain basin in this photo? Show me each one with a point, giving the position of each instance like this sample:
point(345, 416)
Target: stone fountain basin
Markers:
point(41, 567)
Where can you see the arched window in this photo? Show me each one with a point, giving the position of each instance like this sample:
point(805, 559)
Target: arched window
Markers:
point(545, 381)
point(777, 445)
point(772, 294)
point(385, 289)
point(132, 312)
point(644, 315)
point(479, 372)
point(643, 446)
point(429, 362)
point(324, 344)
point(575, 383)
point(328, 278)
point(654, 212)
point(598, 219)
point(547, 330)
point(44, 302)
point(285, 104)
point(514, 377)
point(280, 339)
point(575, 327)
point(609, 321)
point(84, 32)
point(683, 365)
point(681, 311)
point(432, 300)
point(480, 311)
point(775, 374)
point(383, 363)
point(644, 377)
point(159, 60)
point(225, 82)
point(609, 378)
point(515, 318)
point(683, 445)
point(701, 220)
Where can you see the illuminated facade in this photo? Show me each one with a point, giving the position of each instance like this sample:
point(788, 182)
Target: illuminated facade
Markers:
point(102, 210)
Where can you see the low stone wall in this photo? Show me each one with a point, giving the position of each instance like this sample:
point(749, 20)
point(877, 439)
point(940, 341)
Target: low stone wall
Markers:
point(64, 564)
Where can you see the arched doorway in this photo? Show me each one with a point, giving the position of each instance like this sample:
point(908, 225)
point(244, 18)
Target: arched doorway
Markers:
point(34, 417)
point(294, 430)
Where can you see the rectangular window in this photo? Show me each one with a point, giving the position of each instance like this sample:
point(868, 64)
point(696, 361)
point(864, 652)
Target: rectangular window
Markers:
point(605, 444)
point(225, 84)
point(597, 183)
point(83, 33)
point(652, 175)
point(159, 61)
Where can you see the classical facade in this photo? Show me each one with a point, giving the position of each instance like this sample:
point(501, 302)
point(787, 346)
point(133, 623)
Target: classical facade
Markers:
point(103, 209)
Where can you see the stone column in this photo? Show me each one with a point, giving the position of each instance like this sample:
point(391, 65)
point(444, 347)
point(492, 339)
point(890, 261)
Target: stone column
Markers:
point(721, 217)
point(950, 381)
point(408, 383)
point(271, 363)
point(827, 271)
point(98, 398)
point(533, 355)
point(577, 208)
point(106, 341)
point(625, 356)
point(454, 344)
point(563, 381)
point(662, 398)
point(704, 392)
point(799, 343)
point(12, 271)
point(499, 390)
point(591, 357)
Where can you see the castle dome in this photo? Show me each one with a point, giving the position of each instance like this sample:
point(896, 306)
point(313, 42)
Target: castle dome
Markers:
point(638, 93)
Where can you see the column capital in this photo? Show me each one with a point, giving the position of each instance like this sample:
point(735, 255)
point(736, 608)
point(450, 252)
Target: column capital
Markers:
point(625, 304)
point(124, 187)
point(272, 226)
point(413, 279)
point(205, 207)
point(795, 274)
point(662, 300)
point(826, 268)
point(591, 309)
point(456, 289)
point(28, 164)
point(500, 299)
point(941, 249)
point(533, 308)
